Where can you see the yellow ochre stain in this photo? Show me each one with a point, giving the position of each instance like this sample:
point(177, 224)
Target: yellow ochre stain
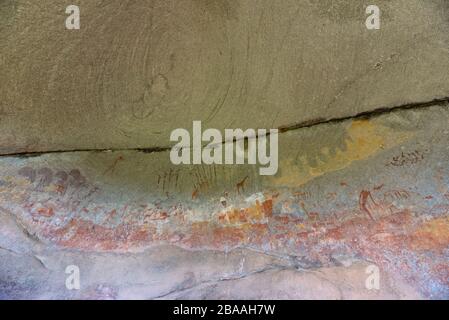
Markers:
point(364, 139)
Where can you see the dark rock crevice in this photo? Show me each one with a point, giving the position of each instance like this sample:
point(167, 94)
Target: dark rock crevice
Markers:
point(443, 102)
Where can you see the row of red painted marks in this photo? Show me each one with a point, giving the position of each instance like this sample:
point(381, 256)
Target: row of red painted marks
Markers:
point(71, 190)
point(391, 241)
point(400, 242)
point(375, 229)
point(254, 225)
point(256, 213)
point(259, 214)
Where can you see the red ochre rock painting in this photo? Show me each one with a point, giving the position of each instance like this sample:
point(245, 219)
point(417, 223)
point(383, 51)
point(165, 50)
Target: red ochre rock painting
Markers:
point(409, 242)
point(399, 240)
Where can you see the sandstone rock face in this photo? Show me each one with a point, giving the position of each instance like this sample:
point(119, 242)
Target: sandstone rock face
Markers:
point(358, 209)
point(138, 69)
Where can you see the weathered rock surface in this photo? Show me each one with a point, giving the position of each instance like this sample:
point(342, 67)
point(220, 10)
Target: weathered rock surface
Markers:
point(352, 195)
point(368, 192)
point(136, 70)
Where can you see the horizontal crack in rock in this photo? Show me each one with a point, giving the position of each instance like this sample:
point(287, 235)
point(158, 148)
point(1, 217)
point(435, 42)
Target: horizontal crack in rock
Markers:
point(231, 278)
point(295, 126)
point(367, 114)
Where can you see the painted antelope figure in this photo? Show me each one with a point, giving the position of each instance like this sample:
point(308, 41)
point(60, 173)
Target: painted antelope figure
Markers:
point(241, 185)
